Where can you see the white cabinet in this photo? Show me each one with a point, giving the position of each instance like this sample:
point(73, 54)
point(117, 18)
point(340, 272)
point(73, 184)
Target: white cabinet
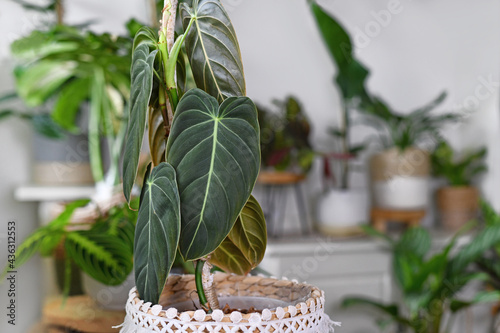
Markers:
point(348, 268)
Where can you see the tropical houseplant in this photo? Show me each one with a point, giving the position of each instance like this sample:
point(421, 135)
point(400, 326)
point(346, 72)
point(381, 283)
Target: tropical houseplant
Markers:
point(458, 202)
point(430, 282)
point(285, 138)
point(400, 173)
point(343, 208)
point(196, 197)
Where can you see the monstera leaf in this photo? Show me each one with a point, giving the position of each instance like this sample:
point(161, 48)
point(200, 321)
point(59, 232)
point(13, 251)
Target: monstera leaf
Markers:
point(142, 84)
point(215, 150)
point(212, 49)
point(244, 247)
point(157, 231)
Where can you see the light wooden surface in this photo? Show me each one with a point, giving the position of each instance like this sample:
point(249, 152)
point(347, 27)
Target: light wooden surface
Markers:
point(279, 178)
point(381, 217)
point(80, 314)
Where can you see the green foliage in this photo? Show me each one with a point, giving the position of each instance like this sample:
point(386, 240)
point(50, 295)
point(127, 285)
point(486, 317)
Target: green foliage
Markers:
point(244, 247)
point(406, 130)
point(429, 281)
point(67, 67)
point(215, 150)
point(458, 171)
point(158, 223)
point(104, 251)
point(210, 137)
point(284, 137)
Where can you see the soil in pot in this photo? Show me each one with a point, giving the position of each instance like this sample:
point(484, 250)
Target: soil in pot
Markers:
point(457, 206)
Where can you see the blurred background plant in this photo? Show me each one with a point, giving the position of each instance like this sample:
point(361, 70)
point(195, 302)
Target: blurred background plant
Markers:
point(285, 137)
point(430, 281)
point(458, 170)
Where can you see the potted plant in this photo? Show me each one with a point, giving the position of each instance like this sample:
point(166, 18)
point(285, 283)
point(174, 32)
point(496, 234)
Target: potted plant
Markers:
point(342, 208)
point(400, 173)
point(458, 202)
point(285, 146)
point(196, 195)
point(430, 282)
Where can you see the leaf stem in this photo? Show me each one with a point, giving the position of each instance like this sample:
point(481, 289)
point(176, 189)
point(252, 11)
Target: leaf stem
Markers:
point(198, 276)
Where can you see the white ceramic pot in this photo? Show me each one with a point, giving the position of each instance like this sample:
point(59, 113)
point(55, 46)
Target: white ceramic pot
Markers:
point(285, 306)
point(400, 179)
point(342, 212)
point(108, 297)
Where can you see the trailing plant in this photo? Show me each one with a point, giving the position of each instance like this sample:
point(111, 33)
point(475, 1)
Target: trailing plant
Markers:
point(458, 171)
point(103, 249)
point(429, 283)
point(284, 137)
point(204, 146)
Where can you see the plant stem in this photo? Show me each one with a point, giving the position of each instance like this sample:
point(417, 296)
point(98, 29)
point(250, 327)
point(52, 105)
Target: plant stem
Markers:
point(198, 276)
point(345, 147)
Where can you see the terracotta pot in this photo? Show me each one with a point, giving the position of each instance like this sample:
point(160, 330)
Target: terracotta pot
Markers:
point(400, 179)
point(457, 205)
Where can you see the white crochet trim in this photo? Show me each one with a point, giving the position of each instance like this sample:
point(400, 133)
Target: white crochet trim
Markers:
point(139, 320)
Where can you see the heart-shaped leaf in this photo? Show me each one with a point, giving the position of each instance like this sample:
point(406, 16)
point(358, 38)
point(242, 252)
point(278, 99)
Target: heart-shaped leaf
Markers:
point(213, 50)
point(157, 232)
point(142, 84)
point(244, 247)
point(216, 153)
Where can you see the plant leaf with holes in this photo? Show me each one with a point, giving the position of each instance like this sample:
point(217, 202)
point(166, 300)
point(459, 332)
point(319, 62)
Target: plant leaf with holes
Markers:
point(142, 84)
point(157, 232)
point(244, 247)
point(213, 50)
point(216, 153)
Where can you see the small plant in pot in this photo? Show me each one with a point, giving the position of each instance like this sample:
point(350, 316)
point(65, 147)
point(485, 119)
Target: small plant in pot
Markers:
point(458, 202)
point(400, 173)
point(196, 196)
point(285, 142)
point(343, 208)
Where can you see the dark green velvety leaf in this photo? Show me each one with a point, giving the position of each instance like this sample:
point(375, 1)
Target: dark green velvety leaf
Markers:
point(244, 247)
point(213, 50)
point(142, 84)
point(157, 232)
point(216, 153)
point(45, 126)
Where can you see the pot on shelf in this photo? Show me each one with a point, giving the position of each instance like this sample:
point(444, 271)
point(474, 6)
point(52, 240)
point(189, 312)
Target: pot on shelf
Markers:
point(457, 205)
point(400, 179)
point(342, 212)
point(286, 306)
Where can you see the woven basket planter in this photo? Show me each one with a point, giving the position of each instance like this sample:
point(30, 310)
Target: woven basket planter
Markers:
point(304, 312)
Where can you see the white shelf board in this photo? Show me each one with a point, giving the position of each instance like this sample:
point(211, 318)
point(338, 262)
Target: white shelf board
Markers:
point(43, 193)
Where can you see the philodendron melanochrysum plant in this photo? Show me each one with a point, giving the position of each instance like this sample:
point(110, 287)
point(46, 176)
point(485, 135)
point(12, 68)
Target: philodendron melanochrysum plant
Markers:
point(204, 144)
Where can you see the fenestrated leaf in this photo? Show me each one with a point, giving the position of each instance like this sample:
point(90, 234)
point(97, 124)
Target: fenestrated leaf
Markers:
point(142, 84)
point(216, 153)
point(157, 232)
point(157, 135)
point(244, 247)
point(213, 49)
